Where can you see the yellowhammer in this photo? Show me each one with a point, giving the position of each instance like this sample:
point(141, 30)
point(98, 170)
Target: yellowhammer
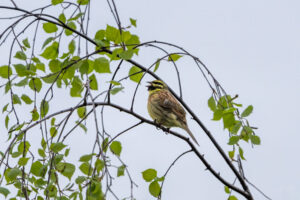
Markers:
point(164, 109)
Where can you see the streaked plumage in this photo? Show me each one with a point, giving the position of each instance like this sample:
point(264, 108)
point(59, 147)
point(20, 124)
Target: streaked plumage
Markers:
point(164, 108)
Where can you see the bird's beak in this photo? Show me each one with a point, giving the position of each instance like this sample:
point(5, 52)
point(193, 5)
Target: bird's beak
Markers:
point(149, 84)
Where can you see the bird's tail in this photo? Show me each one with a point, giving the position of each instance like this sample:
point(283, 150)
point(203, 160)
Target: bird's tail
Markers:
point(190, 133)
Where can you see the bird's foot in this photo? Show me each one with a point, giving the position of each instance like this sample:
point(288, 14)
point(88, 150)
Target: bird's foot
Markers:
point(167, 131)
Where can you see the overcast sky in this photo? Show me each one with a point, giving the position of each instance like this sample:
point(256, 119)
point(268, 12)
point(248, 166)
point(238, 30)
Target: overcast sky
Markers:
point(252, 48)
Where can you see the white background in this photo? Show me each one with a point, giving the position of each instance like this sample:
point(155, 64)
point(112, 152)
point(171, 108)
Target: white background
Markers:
point(252, 48)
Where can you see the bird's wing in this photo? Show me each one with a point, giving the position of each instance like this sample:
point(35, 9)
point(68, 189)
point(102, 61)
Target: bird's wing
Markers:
point(169, 103)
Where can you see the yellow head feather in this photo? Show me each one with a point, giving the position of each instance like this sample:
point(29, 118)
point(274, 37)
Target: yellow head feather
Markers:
point(156, 85)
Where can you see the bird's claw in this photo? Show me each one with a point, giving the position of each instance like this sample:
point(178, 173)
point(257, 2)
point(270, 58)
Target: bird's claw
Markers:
point(167, 131)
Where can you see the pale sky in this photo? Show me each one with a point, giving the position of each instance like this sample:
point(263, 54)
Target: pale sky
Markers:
point(252, 48)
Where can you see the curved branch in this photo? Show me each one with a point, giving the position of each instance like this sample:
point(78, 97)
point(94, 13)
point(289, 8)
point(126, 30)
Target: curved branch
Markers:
point(172, 164)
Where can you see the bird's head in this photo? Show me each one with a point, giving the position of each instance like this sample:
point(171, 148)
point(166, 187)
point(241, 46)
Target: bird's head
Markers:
point(156, 85)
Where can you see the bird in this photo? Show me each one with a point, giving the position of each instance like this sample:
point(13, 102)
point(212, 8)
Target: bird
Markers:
point(165, 109)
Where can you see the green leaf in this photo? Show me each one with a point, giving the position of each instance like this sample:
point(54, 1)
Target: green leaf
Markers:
point(72, 25)
point(62, 17)
point(232, 197)
point(116, 90)
point(43, 144)
point(47, 41)
point(50, 27)
point(41, 152)
point(149, 174)
point(77, 87)
point(5, 108)
point(7, 87)
point(51, 190)
point(114, 83)
point(104, 145)
point(54, 65)
point(241, 152)
point(115, 54)
point(5, 71)
point(26, 99)
point(21, 147)
point(161, 179)
point(57, 147)
point(53, 131)
point(134, 40)
point(76, 17)
point(80, 179)
point(93, 82)
point(83, 2)
point(82, 126)
point(247, 129)
point(37, 168)
point(228, 120)
point(58, 158)
point(13, 173)
point(255, 139)
point(16, 99)
point(84, 67)
point(94, 191)
point(72, 47)
point(6, 121)
point(126, 35)
point(50, 78)
point(126, 55)
point(101, 43)
point(113, 34)
point(4, 191)
point(21, 70)
point(55, 2)
point(81, 112)
point(100, 34)
point(67, 152)
point(26, 43)
point(226, 188)
point(63, 198)
point(212, 104)
point(133, 22)
point(231, 154)
point(101, 65)
point(174, 57)
point(99, 165)
point(154, 188)
point(16, 154)
point(35, 115)
point(66, 169)
point(21, 55)
point(86, 158)
point(236, 127)
point(23, 82)
point(23, 161)
point(135, 74)
point(35, 84)
point(116, 147)
point(156, 65)
point(233, 140)
point(247, 111)
point(86, 168)
point(44, 108)
point(51, 52)
point(121, 170)
point(229, 110)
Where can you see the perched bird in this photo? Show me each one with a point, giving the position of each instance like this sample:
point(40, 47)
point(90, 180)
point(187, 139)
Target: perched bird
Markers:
point(164, 108)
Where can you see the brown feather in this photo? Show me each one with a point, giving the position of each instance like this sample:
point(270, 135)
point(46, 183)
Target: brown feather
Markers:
point(163, 104)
